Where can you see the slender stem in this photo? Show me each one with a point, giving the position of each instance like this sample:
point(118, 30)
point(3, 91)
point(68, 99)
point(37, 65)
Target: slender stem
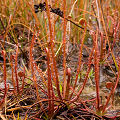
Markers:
point(4, 67)
point(13, 81)
point(16, 61)
point(64, 49)
point(86, 77)
point(80, 61)
point(32, 68)
point(96, 63)
point(50, 90)
point(68, 84)
point(52, 49)
point(113, 90)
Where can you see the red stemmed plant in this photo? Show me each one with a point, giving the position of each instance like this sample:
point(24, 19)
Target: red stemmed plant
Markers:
point(52, 50)
point(50, 87)
point(16, 74)
point(4, 77)
point(62, 95)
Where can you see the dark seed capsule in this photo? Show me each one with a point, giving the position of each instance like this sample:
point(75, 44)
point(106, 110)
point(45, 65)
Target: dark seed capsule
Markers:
point(42, 5)
point(36, 6)
point(107, 46)
point(58, 10)
point(55, 11)
point(36, 10)
point(43, 9)
point(61, 14)
point(1, 59)
point(51, 10)
point(44, 57)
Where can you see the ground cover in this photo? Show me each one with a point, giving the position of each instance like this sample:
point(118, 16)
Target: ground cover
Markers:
point(59, 60)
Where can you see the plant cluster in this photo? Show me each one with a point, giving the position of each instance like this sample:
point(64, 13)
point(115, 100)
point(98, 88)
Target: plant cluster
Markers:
point(43, 38)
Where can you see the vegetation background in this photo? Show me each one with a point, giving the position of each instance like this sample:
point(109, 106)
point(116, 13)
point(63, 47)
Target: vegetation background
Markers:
point(59, 59)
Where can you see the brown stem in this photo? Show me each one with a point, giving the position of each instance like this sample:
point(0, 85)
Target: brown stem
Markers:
point(86, 77)
point(68, 84)
point(64, 49)
point(50, 90)
point(52, 49)
point(13, 81)
point(80, 61)
point(113, 90)
point(32, 68)
point(16, 61)
point(96, 63)
point(4, 69)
